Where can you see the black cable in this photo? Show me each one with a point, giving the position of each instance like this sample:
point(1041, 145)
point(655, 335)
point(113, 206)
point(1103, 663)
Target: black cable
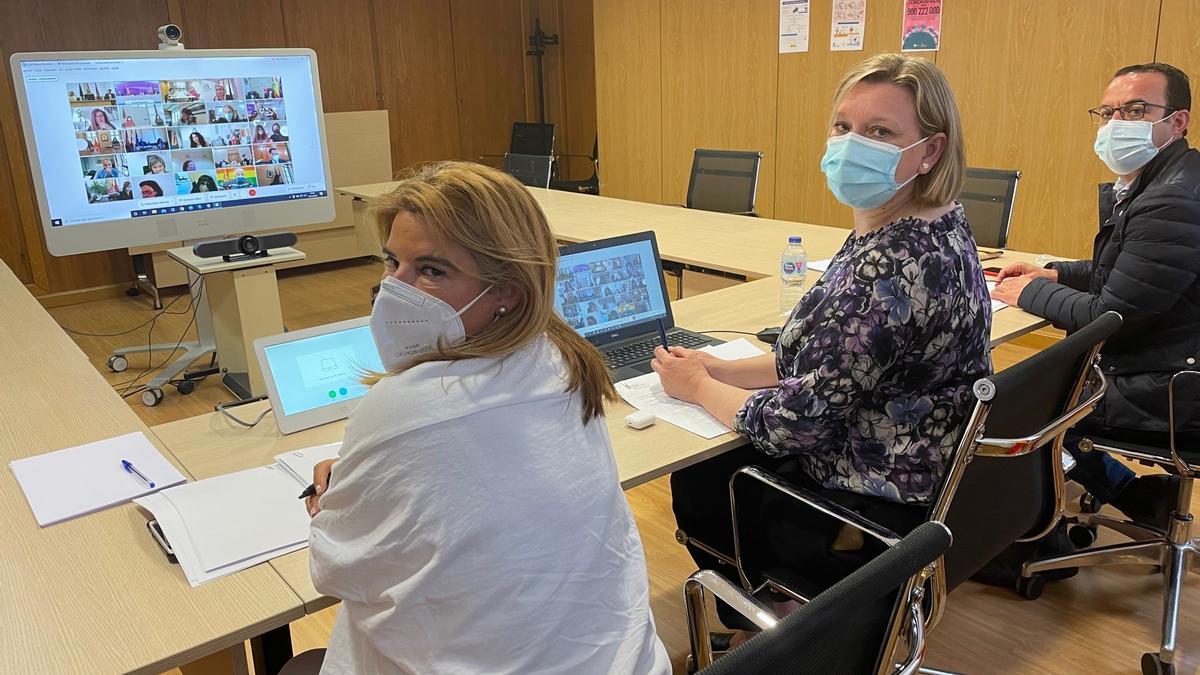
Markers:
point(150, 366)
point(150, 320)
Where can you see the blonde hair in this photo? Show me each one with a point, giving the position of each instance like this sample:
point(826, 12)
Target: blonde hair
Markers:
point(499, 223)
point(936, 113)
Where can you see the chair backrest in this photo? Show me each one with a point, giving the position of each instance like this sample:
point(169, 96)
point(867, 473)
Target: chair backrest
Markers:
point(987, 199)
point(531, 170)
point(532, 138)
point(839, 630)
point(723, 180)
point(992, 501)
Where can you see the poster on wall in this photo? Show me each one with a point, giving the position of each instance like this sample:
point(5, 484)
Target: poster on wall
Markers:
point(922, 26)
point(849, 24)
point(793, 26)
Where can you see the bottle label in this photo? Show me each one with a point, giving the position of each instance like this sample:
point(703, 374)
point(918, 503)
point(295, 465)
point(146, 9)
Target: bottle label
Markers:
point(789, 267)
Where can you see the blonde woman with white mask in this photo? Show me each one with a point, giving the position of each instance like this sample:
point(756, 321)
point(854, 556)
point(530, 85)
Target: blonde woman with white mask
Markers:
point(475, 522)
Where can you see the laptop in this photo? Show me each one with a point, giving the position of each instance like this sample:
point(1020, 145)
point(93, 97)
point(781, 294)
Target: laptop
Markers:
point(611, 291)
point(312, 375)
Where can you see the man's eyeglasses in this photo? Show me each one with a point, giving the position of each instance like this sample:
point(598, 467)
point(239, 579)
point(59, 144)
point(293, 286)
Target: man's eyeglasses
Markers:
point(1132, 111)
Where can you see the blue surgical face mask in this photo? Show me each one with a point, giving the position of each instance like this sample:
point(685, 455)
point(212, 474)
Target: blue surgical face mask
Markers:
point(861, 172)
point(1126, 146)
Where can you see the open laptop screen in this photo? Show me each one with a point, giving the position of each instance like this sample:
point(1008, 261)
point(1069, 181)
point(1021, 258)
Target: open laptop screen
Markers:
point(322, 370)
point(607, 286)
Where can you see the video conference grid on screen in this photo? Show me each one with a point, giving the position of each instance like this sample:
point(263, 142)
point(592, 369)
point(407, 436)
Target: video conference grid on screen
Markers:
point(221, 140)
point(169, 137)
point(608, 288)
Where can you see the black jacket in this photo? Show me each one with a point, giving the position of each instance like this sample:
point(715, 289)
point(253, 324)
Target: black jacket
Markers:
point(1146, 266)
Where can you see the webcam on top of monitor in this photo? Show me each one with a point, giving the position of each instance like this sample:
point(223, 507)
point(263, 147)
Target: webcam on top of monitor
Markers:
point(169, 37)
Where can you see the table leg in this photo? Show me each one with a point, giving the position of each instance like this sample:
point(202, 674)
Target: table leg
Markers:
point(230, 661)
point(271, 650)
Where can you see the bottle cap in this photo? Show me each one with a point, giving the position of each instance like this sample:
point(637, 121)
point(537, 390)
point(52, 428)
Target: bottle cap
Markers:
point(793, 240)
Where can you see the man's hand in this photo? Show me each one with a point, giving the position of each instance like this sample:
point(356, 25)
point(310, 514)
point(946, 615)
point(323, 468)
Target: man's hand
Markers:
point(1024, 269)
point(1009, 290)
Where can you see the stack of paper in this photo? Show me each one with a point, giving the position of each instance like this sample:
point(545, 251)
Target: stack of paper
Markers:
point(996, 304)
point(68, 483)
point(646, 393)
point(227, 523)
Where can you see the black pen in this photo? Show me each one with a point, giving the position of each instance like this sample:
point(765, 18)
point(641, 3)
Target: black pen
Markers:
point(662, 335)
point(309, 491)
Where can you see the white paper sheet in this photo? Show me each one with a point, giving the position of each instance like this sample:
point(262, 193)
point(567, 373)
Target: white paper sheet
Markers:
point(86, 478)
point(819, 265)
point(299, 463)
point(996, 304)
point(646, 393)
point(231, 518)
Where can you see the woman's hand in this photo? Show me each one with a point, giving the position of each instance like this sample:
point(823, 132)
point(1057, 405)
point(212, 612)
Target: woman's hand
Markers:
point(681, 371)
point(321, 473)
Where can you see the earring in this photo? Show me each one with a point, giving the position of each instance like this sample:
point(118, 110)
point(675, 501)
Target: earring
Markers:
point(925, 165)
point(501, 312)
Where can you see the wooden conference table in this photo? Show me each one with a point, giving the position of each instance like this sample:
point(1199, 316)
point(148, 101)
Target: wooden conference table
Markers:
point(95, 594)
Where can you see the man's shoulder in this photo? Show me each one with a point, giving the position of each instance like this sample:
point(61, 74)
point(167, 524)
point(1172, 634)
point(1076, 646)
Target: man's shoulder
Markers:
point(1180, 180)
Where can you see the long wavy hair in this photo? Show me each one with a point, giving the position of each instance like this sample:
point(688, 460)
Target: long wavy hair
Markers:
point(499, 223)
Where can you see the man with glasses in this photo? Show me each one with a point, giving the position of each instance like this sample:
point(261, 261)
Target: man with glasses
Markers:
point(1146, 266)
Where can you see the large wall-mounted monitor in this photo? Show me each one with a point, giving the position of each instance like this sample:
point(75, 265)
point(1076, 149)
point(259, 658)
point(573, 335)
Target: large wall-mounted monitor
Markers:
point(147, 147)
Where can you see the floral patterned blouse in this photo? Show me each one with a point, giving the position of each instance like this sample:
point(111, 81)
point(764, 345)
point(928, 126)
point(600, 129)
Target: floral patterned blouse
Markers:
point(876, 362)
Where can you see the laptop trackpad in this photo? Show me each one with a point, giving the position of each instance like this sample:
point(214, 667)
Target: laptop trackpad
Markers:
point(634, 370)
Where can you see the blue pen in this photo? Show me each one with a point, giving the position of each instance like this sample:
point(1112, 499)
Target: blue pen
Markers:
point(133, 471)
point(662, 333)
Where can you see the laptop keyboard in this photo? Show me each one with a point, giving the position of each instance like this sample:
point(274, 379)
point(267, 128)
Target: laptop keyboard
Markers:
point(644, 350)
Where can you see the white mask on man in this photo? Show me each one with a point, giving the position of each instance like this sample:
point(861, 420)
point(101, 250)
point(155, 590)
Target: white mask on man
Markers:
point(408, 322)
point(1126, 146)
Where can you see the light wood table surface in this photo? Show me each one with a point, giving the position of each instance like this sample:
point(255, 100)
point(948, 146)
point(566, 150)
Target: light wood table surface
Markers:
point(95, 594)
point(209, 445)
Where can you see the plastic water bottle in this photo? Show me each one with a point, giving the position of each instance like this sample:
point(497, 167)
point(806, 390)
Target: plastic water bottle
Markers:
point(793, 269)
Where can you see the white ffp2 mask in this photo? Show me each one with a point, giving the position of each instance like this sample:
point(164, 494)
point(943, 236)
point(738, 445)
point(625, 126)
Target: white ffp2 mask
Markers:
point(408, 322)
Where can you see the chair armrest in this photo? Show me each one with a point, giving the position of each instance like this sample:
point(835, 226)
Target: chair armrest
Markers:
point(1018, 447)
point(697, 615)
point(916, 638)
point(1182, 466)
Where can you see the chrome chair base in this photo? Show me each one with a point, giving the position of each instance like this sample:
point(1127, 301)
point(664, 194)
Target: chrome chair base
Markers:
point(1174, 551)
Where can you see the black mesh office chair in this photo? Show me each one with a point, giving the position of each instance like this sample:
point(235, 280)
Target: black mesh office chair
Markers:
point(531, 170)
point(587, 186)
point(997, 489)
point(724, 181)
point(528, 138)
point(1173, 549)
point(987, 199)
point(840, 630)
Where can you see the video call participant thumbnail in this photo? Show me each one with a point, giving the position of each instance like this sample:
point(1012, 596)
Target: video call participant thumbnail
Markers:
point(107, 166)
point(274, 174)
point(107, 190)
point(274, 153)
point(152, 186)
point(237, 178)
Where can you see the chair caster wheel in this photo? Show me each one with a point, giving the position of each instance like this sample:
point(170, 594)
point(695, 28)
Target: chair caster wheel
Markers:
point(152, 396)
point(1081, 536)
point(1088, 503)
point(1031, 588)
point(118, 364)
point(1152, 665)
point(185, 387)
point(132, 292)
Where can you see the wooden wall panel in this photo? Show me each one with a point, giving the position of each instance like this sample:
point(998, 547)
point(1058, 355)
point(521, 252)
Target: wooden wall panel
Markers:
point(231, 24)
point(82, 26)
point(1024, 102)
point(416, 77)
point(342, 35)
point(12, 237)
point(1179, 45)
point(489, 66)
point(629, 58)
point(579, 68)
point(806, 84)
point(718, 87)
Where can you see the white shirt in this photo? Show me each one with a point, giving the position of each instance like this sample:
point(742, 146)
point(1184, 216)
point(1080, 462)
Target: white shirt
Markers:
point(475, 525)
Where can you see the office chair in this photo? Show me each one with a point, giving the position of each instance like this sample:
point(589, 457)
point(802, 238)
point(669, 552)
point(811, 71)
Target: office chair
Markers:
point(531, 170)
point(997, 489)
point(587, 186)
point(724, 180)
point(529, 138)
point(840, 628)
point(987, 199)
point(1173, 549)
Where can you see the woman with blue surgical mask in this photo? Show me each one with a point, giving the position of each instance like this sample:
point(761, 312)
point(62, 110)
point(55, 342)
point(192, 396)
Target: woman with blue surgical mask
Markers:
point(870, 381)
point(474, 521)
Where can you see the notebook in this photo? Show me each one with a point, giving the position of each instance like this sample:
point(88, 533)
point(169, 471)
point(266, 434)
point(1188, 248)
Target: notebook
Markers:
point(611, 291)
point(228, 523)
point(67, 483)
